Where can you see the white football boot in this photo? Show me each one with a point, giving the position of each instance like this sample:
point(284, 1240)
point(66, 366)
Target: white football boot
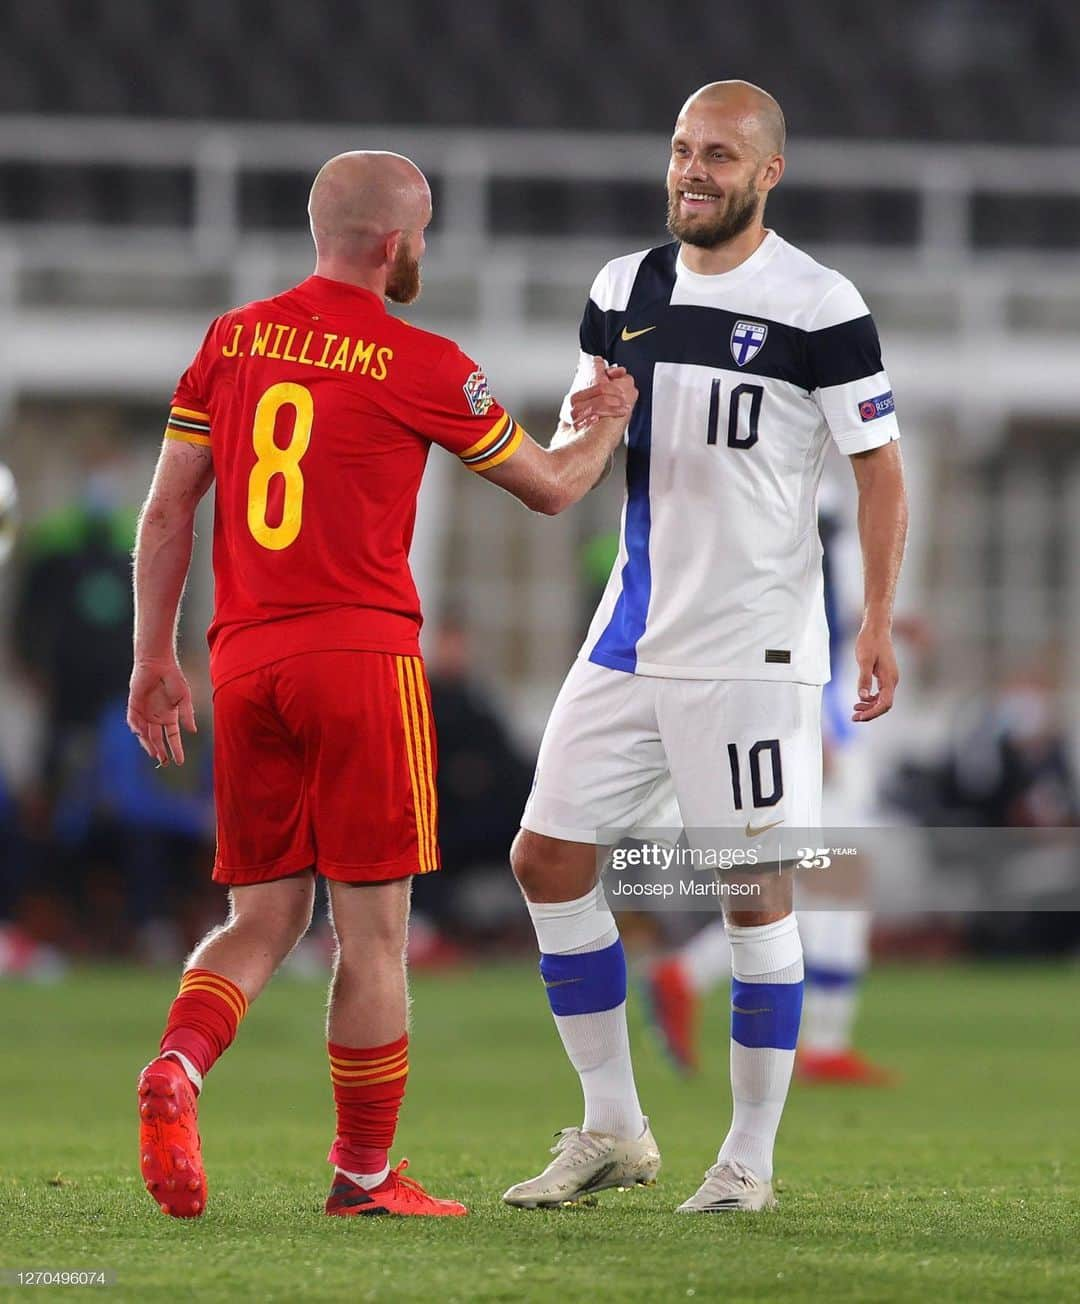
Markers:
point(586, 1162)
point(730, 1186)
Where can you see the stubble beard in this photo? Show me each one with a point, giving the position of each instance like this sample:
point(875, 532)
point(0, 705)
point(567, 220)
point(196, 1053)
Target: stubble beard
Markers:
point(737, 215)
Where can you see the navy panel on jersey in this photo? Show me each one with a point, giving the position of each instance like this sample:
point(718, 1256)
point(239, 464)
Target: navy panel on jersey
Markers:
point(840, 354)
point(616, 647)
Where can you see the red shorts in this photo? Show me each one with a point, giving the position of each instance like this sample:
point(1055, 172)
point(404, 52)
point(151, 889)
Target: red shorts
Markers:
point(326, 759)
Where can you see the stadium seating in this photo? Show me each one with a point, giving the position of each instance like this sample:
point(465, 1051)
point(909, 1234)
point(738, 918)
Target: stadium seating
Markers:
point(928, 70)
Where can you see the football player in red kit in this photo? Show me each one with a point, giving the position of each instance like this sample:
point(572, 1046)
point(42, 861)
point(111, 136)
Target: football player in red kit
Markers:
point(313, 413)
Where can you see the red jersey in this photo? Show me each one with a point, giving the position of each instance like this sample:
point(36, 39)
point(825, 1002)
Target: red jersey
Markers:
point(319, 408)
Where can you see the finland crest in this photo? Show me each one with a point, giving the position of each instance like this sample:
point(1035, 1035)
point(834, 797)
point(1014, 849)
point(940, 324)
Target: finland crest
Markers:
point(747, 337)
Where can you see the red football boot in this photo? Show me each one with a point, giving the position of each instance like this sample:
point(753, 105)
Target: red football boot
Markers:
point(170, 1150)
point(398, 1195)
point(846, 1067)
point(672, 1007)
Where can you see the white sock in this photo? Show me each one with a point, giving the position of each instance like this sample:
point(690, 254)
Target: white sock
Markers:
point(193, 1073)
point(706, 957)
point(596, 1039)
point(766, 991)
point(836, 945)
point(367, 1180)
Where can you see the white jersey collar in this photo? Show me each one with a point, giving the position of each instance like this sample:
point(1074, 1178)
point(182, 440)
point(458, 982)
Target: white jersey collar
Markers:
point(722, 280)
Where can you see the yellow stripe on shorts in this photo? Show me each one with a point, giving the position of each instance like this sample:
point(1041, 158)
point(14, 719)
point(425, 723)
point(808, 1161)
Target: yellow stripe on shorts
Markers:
point(413, 750)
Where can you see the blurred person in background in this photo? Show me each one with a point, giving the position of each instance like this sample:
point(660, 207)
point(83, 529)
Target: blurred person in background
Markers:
point(1009, 762)
point(313, 413)
point(483, 781)
point(21, 954)
point(154, 828)
point(73, 614)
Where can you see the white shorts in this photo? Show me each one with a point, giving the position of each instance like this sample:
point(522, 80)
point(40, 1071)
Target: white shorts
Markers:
point(620, 750)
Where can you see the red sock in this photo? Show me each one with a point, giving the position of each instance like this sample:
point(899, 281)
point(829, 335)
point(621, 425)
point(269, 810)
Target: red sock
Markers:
point(369, 1085)
point(204, 1017)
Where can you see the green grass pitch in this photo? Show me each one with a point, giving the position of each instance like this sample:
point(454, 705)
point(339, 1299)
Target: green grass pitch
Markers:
point(961, 1184)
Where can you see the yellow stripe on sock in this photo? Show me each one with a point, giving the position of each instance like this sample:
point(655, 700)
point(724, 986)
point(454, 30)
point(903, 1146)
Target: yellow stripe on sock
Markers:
point(226, 984)
point(338, 1062)
point(232, 996)
point(191, 988)
point(362, 1070)
point(371, 1082)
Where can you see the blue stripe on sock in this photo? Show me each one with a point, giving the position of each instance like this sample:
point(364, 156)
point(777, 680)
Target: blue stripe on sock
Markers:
point(585, 983)
point(831, 978)
point(766, 1014)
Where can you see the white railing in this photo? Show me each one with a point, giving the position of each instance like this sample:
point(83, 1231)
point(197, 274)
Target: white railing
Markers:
point(944, 178)
point(939, 285)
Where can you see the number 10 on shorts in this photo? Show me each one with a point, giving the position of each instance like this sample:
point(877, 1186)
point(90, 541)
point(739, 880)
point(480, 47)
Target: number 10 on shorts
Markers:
point(762, 764)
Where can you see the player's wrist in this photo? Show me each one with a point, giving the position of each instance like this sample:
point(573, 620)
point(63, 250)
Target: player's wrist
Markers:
point(155, 661)
point(877, 621)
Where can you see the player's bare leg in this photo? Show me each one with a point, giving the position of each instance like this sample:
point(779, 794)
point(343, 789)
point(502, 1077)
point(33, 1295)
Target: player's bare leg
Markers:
point(584, 971)
point(368, 1044)
point(228, 969)
point(766, 1002)
point(266, 920)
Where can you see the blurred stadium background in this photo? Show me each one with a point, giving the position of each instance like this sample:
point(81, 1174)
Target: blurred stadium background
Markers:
point(154, 165)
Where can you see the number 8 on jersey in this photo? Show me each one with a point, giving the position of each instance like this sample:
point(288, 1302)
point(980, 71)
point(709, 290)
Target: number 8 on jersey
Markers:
point(273, 459)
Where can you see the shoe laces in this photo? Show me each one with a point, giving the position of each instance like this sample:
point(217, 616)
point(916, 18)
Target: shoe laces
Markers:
point(731, 1170)
point(578, 1147)
point(409, 1186)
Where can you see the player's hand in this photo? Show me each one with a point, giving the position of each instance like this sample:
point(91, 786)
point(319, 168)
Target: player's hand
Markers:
point(612, 394)
point(159, 702)
point(877, 661)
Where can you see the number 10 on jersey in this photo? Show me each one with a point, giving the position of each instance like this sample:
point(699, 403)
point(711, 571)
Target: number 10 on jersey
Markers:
point(743, 412)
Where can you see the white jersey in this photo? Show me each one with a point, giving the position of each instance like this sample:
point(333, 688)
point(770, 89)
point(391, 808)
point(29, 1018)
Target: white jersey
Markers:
point(742, 378)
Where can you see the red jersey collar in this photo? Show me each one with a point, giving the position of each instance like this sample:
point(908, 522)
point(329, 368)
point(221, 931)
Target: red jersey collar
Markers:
point(338, 296)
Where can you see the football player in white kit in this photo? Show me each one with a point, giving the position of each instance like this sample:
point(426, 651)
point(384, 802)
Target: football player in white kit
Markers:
point(704, 663)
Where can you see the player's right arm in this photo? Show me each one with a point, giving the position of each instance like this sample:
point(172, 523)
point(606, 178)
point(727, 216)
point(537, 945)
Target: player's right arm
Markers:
point(454, 407)
point(159, 699)
point(551, 479)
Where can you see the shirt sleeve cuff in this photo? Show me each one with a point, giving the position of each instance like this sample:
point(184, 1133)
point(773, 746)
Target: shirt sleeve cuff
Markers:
point(188, 425)
point(500, 442)
point(863, 439)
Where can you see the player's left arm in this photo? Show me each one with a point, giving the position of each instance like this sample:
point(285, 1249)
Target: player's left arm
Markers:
point(883, 520)
point(852, 390)
point(159, 699)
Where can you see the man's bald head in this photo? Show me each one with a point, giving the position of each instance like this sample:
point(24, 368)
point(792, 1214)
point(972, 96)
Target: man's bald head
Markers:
point(726, 156)
point(363, 196)
point(754, 112)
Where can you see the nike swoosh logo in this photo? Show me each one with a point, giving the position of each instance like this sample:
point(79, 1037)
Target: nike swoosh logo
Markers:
point(632, 335)
point(738, 1009)
point(562, 982)
point(751, 832)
